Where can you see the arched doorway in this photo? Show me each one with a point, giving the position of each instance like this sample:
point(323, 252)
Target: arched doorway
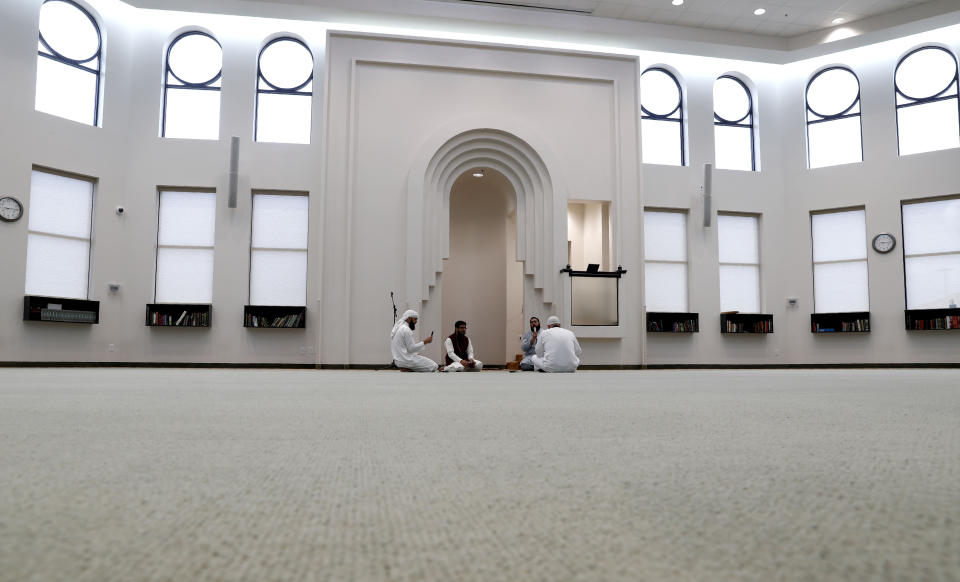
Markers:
point(482, 281)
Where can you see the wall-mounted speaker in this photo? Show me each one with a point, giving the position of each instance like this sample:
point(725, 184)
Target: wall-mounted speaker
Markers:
point(233, 177)
point(707, 194)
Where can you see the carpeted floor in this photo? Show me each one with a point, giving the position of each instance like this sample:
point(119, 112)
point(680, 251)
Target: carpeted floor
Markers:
point(261, 475)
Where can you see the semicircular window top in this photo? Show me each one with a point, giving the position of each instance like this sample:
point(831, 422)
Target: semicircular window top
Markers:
point(284, 92)
point(191, 88)
point(733, 125)
point(69, 59)
point(833, 118)
point(661, 118)
point(928, 113)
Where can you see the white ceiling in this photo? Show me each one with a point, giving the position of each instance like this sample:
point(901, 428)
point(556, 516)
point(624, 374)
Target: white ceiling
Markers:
point(783, 18)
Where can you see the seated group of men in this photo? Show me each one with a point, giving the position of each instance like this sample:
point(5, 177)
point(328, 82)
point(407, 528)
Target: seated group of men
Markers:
point(554, 349)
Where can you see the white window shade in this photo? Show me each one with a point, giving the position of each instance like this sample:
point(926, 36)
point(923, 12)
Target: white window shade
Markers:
point(933, 282)
point(931, 227)
point(740, 288)
point(738, 239)
point(278, 255)
point(278, 278)
point(187, 218)
point(185, 241)
point(60, 205)
point(665, 236)
point(279, 221)
point(841, 287)
point(184, 275)
point(57, 266)
point(665, 287)
point(840, 273)
point(58, 239)
point(839, 236)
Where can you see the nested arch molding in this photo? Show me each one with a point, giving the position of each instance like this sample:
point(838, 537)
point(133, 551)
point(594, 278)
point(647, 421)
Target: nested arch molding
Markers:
point(541, 214)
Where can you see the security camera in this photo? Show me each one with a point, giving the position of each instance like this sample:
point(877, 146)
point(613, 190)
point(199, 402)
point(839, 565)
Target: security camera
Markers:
point(120, 210)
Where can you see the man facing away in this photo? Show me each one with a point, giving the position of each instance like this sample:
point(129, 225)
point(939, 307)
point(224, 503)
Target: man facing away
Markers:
point(459, 349)
point(557, 349)
point(403, 347)
point(528, 343)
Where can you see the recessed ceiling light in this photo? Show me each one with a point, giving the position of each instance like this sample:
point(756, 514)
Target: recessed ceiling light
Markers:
point(760, 11)
point(478, 173)
point(838, 20)
point(677, 2)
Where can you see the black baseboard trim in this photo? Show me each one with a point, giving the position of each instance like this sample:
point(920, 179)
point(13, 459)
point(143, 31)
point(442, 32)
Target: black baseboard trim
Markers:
point(859, 366)
point(153, 365)
point(378, 367)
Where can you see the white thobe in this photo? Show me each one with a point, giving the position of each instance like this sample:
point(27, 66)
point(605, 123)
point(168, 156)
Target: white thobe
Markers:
point(405, 350)
point(557, 351)
point(456, 366)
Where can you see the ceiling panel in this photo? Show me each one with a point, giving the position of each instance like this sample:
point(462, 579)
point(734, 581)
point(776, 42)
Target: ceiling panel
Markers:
point(783, 18)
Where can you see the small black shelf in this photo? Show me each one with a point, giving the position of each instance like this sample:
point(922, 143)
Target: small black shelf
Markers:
point(672, 322)
point(946, 319)
point(60, 309)
point(178, 314)
point(275, 316)
point(746, 323)
point(844, 322)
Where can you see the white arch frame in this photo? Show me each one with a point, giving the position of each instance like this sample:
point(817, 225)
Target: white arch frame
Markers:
point(541, 214)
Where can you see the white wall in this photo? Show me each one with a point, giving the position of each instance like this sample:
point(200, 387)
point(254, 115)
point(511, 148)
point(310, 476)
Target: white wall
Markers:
point(381, 104)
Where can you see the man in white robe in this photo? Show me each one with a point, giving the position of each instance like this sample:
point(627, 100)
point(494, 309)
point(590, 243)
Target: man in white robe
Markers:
point(557, 349)
point(459, 350)
point(405, 349)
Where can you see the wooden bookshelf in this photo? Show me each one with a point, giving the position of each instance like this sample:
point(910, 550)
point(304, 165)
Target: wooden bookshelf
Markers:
point(60, 309)
point(739, 323)
point(672, 322)
point(845, 322)
point(178, 314)
point(946, 319)
point(275, 316)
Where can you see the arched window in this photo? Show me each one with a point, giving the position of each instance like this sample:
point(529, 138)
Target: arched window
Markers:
point(284, 92)
point(833, 118)
point(928, 113)
point(191, 88)
point(68, 62)
point(733, 125)
point(661, 113)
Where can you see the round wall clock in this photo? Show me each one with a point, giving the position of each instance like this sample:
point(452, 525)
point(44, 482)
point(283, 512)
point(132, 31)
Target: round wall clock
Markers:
point(10, 209)
point(884, 242)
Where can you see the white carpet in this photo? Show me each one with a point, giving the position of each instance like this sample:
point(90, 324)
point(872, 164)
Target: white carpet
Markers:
point(260, 475)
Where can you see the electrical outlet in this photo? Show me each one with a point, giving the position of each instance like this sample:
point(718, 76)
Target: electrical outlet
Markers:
point(792, 301)
point(111, 347)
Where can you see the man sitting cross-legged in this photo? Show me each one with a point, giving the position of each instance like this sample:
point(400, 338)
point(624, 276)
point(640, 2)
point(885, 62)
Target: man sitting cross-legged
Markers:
point(460, 351)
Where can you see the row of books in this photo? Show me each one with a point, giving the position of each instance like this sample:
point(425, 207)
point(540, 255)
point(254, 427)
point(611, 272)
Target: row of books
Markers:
point(845, 326)
point(946, 322)
point(291, 320)
point(765, 326)
point(684, 326)
point(201, 319)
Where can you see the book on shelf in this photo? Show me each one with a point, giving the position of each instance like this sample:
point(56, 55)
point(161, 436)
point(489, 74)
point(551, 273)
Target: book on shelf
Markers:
point(182, 315)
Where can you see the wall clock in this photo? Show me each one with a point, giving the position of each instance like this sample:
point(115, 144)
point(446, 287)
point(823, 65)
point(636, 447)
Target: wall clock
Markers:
point(10, 209)
point(884, 242)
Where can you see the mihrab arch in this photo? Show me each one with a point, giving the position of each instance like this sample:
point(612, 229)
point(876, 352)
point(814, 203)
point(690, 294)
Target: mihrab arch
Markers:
point(541, 220)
